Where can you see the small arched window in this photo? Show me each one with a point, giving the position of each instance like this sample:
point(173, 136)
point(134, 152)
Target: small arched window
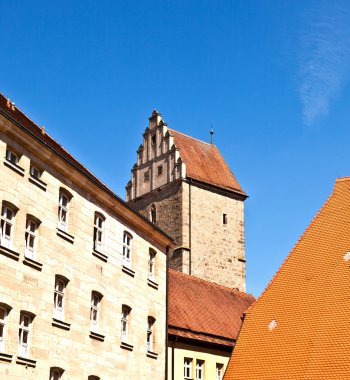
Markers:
point(127, 248)
point(63, 209)
point(151, 264)
point(153, 214)
point(95, 311)
point(8, 213)
point(31, 236)
point(4, 312)
point(125, 322)
point(150, 333)
point(98, 231)
point(56, 373)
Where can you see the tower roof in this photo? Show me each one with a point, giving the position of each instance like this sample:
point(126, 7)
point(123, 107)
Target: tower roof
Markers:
point(205, 163)
point(299, 327)
point(205, 311)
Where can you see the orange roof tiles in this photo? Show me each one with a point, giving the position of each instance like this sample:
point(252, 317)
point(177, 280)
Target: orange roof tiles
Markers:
point(205, 163)
point(205, 311)
point(309, 300)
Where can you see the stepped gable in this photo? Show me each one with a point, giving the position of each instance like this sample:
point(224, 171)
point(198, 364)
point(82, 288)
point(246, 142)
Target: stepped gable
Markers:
point(205, 311)
point(299, 327)
point(205, 163)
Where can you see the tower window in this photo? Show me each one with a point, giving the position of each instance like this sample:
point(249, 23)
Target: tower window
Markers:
point(160, 169)
point(153, 214)
point(153, 139)
point(224, 218)
point(146, 176)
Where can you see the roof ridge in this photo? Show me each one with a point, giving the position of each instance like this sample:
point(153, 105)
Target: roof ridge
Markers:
point(190, 137)
point(290, 253)
point(211, 283)
point(342, 179)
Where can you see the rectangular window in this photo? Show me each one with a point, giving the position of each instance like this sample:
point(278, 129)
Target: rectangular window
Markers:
point(125, 323)
point(63, 211)
point(95, 311)
point(31, 238)
point(7, 222)
point(12, 157)
point(146, 176)
point(127, 249)
point(24, 335)
point(160, 169)
point(151, 262)
point(98, 231)
point(150, 334)
point(219, 371)
point(3, 322)
point(224, 218)
point(35, 172)
point(188, 368)
point(199, 369)
point(59, 298)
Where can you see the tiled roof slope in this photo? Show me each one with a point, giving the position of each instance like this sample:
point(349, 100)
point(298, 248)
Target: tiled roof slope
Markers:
point(205, 163)
point(202, 310)
point(309, 299)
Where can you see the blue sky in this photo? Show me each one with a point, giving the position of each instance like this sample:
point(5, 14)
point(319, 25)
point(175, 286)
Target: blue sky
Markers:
point(270, 76)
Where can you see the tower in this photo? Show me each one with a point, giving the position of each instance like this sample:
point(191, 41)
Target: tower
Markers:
point(186, 188)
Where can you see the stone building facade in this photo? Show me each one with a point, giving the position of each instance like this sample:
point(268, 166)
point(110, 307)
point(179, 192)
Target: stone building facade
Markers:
point(186, 188)
point(82, 275)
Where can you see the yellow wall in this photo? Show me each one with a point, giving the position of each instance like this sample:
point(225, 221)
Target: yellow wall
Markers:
point(210, 357)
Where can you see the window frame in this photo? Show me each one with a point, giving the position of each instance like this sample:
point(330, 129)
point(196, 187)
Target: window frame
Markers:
point(63, 209)
point(60, 293)
point(11, 154)
point(5, 221)
point(3, 323)
point(99, 230)
point(125, 323)
point(150, 334)
point(31, 253)
point(127, 248)
point(56, 371)
point(219, 371)
point(200, 369)
point(23, 348)
point(151, 264)
point(188, 363)
point(95, 311)
point(153, 214)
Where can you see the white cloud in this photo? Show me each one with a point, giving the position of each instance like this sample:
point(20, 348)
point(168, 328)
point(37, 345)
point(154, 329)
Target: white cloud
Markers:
point(325, 57)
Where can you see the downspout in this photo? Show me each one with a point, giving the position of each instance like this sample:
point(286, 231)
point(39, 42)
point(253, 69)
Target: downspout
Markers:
point(173, 359)
point(166, 312)
point(190, 228)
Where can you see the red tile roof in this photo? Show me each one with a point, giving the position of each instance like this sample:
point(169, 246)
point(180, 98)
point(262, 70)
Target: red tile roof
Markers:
point(309, 301)
point(205, 163)
point(203, 310)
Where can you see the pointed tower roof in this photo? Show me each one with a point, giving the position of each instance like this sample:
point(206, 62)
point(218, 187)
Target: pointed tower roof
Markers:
point(205, 163)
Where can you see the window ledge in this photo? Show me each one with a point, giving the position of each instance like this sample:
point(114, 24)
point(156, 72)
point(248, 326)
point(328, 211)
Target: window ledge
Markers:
point(32, 263)
point(18, 169)
point(152, 284)
point(5, 357)
point(128, 271)
point(38, 182)
point(100, 255)
point(95, 335)
point(60, 324)
point(25, 361)
point(152, 354)
point(126, 346)
point(9, 253)
point(65, 235)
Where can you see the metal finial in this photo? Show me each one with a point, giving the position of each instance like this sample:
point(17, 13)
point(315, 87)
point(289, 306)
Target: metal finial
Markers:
point(211, 134)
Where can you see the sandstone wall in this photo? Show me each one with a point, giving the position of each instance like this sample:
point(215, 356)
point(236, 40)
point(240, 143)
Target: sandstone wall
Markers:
point(27, 288)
